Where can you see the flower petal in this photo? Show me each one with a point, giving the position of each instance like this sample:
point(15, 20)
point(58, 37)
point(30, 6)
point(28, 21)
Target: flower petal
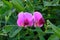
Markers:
point(38, 19)
point(20, 22)
point(28, 16)
point(22, 17)
point(37, 15)
point(41, 22)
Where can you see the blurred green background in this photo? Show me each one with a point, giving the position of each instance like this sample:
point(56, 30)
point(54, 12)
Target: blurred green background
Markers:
point(9, 10)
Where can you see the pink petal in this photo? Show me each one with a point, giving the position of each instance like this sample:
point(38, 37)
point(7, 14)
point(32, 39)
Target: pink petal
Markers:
point(21, 15)
point(37, 15)
point(38, 19)
point(22, 19)
point(28, 16)
point(41, 22)
point(20, 22)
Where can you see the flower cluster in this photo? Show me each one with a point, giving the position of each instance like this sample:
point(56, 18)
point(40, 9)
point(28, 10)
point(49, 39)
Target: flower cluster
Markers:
point(27, 19)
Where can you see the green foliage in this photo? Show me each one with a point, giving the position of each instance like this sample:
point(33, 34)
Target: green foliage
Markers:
point(55, 29)
point(9, 10)
point(53, 37)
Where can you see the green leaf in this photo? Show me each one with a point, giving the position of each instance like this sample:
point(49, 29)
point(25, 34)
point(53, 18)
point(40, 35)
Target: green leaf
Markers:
point(18, 4)
point(40, 33)
point(49, 31)
point(44, 8)
point(51, 3)
point(29, 6)
point(2, 34)
point(54, 28)
point(14, 33)
point(42, 38)
point(39, 30)
point(8, 4)
point(46, 3)
point(53, 37)
point(12, 30)
point(1, 3)
point(7, 28)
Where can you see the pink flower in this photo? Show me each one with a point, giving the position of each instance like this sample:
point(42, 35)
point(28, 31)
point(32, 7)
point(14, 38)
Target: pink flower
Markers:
point(24, 19)
point(38, 19)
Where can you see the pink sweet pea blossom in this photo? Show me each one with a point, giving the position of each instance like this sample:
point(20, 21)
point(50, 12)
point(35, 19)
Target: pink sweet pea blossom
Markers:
point(38, 19)
point(24, 19)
